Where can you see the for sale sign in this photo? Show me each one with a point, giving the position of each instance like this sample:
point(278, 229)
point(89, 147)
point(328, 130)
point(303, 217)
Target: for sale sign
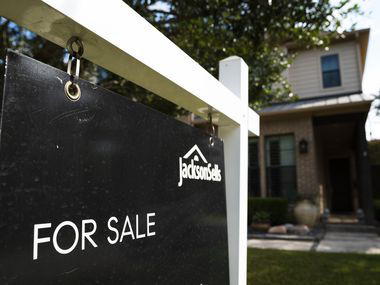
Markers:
point(104, 190)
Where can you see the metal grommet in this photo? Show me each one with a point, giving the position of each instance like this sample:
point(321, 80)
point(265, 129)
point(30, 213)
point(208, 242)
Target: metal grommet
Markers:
point(211, 141)
point(79, 44)
point(72, 91)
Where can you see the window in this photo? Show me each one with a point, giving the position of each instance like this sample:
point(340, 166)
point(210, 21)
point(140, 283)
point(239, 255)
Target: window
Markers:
point(253, 168)
point(330, 71)
point(281, 166)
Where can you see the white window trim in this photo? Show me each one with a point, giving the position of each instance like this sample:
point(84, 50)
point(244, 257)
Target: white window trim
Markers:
point(320, 77)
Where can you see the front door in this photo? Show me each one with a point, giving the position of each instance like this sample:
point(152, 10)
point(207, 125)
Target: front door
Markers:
point(340, 185)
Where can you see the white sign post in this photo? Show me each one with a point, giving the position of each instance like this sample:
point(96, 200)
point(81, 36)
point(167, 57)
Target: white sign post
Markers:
point(118, 39)
point(233, 73)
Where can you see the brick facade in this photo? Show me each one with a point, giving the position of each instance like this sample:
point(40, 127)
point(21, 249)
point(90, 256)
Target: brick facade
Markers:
point(302, 128)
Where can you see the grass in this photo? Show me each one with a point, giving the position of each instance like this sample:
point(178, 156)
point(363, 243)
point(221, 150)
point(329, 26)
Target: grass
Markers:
point(268, 267)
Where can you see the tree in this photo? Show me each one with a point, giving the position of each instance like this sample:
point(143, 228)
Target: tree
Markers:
point(210, 30)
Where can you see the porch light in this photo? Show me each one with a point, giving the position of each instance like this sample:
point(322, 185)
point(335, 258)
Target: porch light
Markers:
point(303, 146)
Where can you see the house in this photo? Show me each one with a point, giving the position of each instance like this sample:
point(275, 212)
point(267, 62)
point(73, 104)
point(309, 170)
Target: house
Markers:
point(316, 146)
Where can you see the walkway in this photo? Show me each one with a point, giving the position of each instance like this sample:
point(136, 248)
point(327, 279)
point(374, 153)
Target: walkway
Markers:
point(350, 242)
point(336, 239)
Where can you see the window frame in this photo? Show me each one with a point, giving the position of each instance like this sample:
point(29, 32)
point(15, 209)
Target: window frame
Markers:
point(338, 71)
point(291, 195)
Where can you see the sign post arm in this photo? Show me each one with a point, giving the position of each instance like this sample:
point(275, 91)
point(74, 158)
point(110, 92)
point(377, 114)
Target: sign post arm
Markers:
point(233, 73)
point(124, 43)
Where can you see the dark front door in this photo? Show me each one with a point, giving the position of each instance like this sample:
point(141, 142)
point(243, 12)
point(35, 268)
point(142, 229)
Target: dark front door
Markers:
point(340, 185)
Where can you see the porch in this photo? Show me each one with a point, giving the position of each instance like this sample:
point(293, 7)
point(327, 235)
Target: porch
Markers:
point(342, 165)
point(315, 148)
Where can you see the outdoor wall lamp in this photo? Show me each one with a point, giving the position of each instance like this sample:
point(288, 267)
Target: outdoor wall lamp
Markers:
point(303, 146)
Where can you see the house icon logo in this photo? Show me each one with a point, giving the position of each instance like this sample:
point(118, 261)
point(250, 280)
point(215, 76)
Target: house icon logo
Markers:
point(194, 165)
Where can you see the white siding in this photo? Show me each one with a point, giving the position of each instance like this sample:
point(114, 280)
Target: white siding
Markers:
point(305, 74)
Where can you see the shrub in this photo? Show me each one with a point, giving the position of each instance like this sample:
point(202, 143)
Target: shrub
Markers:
point(376, 209)
point(261, 217)
point(277, 208)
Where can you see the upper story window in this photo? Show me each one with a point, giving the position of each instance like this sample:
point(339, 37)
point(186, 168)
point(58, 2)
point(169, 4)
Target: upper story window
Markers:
point(330, 71)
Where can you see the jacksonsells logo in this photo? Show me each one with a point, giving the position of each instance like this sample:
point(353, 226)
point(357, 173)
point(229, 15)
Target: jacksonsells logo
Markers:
point(190, 167)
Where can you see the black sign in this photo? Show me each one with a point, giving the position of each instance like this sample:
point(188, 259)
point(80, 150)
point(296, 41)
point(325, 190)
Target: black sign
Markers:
point(104, 190)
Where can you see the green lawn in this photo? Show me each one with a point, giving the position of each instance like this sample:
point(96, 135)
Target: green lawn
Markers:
point(277, 267)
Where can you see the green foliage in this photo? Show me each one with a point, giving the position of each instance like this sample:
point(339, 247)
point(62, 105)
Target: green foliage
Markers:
point(277, 208)
point(283, 267)
point(261, 217)
point(210, 30)
point(376, 209)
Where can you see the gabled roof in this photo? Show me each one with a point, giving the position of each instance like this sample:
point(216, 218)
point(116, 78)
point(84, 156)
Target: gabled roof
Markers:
point(319, 103)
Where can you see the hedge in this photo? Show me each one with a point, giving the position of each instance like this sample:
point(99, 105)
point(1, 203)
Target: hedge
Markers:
point(376, 208)
point(277, 208)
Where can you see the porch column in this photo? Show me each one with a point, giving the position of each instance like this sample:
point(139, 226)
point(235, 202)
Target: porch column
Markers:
point(364, 171)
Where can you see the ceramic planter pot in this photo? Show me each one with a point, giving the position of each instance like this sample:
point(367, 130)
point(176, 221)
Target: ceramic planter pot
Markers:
point(306, 213)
